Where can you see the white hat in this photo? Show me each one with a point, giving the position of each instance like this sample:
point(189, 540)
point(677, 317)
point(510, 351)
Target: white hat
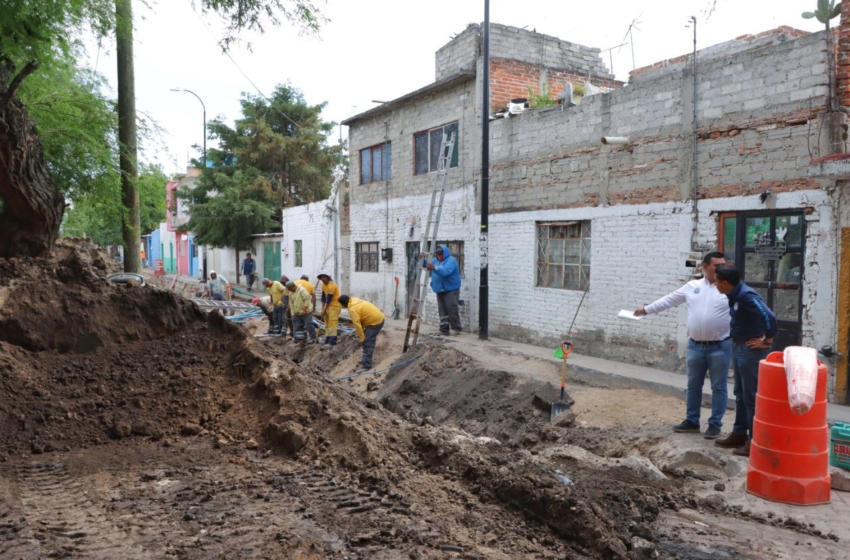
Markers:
point(324, 273)
point(212, 271)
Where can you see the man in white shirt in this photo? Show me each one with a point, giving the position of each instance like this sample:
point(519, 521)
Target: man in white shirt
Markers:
point(709, 347)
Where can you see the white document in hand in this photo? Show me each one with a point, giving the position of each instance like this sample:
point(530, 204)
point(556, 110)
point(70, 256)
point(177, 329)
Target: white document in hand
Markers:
point(626, 314)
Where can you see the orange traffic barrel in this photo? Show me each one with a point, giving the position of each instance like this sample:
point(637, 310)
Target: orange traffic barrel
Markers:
point(789, 453)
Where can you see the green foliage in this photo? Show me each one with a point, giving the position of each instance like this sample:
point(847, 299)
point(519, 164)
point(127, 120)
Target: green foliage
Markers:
point(98, 215)
point(76, 125)
point(276, 155)
point(827, 10)
point(542, 99)
point(579, 91)
point(255, 15)
point(227, 207)
point(45, 30)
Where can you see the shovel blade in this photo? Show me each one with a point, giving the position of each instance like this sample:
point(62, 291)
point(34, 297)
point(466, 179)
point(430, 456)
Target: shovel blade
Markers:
point(558, 408)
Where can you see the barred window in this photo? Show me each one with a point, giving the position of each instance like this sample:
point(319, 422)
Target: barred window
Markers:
point(299, 252)
point(366, 257)
point(563, 255)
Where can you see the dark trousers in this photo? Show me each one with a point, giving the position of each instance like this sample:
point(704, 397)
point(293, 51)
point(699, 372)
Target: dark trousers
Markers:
point(371, 338)
point(278, 324)
point(449, 311)
point(746, 363)
point(299, 326)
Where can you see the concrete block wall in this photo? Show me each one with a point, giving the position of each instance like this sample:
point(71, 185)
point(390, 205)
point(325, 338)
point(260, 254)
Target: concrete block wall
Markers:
point(553, 158)
point(459, 54)
point(399, 126)
point(407, 216)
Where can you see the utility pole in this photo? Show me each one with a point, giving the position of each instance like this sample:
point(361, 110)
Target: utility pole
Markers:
point(204, 108)
point(483, 288)
point(131, 230)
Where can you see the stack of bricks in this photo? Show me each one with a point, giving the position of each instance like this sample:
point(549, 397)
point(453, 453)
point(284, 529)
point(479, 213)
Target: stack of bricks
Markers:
point(844, 56)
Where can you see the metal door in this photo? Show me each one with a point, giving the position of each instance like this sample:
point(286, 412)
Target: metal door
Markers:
point(271, 260)
point(769, 252)
point(412, 250)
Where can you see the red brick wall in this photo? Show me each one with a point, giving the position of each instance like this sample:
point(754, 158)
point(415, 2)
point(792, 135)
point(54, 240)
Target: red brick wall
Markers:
point(844, 56)
point(510, 79)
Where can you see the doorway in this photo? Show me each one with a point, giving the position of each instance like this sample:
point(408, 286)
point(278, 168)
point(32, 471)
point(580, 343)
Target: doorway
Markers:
point(769, 249)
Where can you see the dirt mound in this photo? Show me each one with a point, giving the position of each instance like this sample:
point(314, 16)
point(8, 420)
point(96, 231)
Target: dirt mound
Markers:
point(157, 372)
point(65, 304)
point(448, 386)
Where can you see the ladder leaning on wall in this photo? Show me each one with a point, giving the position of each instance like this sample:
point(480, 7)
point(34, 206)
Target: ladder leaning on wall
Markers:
point(428, 243)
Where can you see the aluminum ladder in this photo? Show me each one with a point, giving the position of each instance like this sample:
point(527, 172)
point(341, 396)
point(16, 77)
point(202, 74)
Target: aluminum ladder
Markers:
point(428, 244)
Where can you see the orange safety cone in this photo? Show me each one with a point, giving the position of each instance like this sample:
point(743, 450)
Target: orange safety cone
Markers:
point(789, 453)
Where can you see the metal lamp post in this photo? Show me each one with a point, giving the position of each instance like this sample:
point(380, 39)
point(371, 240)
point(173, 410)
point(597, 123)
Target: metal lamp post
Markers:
point(204, 107)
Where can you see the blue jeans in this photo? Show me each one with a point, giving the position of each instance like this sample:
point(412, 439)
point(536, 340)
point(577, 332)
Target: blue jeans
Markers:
point(714, 359)
point(746, 363)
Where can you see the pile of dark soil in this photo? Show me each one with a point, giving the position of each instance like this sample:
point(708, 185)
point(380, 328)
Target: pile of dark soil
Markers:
point(448, 386)
point(85, 363)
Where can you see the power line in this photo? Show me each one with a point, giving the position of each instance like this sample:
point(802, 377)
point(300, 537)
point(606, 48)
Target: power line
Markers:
point(227, 52)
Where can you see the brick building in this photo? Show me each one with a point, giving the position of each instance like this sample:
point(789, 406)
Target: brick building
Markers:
point(569, 213)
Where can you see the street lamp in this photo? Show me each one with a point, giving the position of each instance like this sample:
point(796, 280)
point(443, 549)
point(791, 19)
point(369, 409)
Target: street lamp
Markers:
point(205, 123)
point(204, 107)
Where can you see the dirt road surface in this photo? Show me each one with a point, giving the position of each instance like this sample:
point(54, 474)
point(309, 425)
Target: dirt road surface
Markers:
point(134, 426)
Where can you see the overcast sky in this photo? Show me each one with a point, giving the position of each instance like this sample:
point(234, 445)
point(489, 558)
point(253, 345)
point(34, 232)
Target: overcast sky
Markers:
point(382, 49)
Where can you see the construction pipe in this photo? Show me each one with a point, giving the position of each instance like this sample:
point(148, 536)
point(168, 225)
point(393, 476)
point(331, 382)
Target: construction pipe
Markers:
point(615, 140)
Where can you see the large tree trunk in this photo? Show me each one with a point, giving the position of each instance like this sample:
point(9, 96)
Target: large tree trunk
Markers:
point(131, 223)
point(32, 204)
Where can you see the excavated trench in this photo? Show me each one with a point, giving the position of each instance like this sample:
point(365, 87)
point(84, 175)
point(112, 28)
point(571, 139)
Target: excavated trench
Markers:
point(134, 426)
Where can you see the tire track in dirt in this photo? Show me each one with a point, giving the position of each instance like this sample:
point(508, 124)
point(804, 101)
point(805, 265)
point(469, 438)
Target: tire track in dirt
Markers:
point(60, 518)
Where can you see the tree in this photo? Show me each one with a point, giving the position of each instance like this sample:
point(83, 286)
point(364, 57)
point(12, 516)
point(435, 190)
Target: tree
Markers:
point(276, 155)
point(827, 10)
point(36, 33)
point(99, 215)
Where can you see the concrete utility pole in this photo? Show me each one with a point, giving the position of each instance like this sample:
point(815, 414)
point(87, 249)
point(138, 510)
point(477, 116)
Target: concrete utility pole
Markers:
point(483, 289)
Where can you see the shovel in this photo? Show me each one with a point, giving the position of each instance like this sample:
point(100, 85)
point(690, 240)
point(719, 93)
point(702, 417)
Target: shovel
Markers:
point(561, 406)
point(396, 311)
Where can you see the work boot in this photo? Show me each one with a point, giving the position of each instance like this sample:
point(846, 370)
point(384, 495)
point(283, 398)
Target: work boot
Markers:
point(733, 441)
point(743, 451)
point(686, 427)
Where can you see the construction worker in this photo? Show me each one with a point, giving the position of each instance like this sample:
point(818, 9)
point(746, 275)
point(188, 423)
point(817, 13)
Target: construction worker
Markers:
point(278, 322)
point(287, 315)
point(249, 267)
point(445, 281)
point(217, 286)
point(368, 321)
point(301, 308)
point(330, 306)
point(307, 285)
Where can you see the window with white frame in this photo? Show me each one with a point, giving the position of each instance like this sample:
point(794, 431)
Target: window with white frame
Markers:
point(563, 255)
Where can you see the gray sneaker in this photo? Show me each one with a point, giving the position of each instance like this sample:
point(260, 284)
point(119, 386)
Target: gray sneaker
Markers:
point(686, 428)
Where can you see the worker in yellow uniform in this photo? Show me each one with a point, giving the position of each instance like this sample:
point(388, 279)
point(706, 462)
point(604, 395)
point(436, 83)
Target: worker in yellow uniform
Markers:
point(301, 308)
point(330, 306)
point(276, 290)
point(368, 321)
point(305, 283)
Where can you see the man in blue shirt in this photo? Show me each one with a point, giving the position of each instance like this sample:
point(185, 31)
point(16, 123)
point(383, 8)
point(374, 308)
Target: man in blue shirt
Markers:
point(248, 267)
point(445, 281)
point(752, 330)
